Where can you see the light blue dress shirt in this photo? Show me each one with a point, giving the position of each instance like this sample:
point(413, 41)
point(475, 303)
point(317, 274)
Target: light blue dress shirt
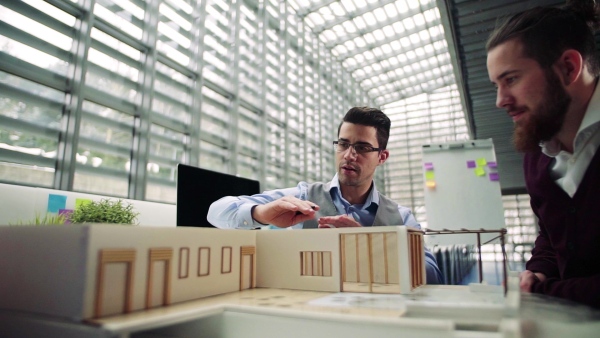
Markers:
point(233, 212)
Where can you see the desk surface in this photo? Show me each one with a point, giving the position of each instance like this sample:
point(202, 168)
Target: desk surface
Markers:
point(432, 311)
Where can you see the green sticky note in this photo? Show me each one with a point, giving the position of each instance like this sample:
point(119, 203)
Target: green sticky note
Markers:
point(430, 175)
point(81, 201)
point(479, 171)
point(481, 162)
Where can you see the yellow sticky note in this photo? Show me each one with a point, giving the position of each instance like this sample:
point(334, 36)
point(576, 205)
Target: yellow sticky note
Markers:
point(430, 175)
point(430, 184)
point(81, 201)
point(479, 171)
point(481, 162)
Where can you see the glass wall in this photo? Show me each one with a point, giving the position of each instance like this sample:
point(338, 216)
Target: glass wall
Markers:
point(108, 96)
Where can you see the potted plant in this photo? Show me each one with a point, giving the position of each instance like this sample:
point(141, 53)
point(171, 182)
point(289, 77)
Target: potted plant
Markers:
point(104, 211)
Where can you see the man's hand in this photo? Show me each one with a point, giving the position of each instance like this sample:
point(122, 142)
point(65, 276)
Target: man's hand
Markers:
point(528, 278)
point(343, 221)
point(285, 212)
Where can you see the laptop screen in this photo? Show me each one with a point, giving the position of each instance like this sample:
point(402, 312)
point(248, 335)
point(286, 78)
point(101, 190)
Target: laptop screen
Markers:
point(197, 188)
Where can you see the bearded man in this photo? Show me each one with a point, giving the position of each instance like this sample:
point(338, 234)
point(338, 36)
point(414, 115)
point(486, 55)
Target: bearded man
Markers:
point(544, 65)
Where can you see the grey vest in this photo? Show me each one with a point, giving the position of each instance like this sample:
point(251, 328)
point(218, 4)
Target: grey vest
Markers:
point(387, 212)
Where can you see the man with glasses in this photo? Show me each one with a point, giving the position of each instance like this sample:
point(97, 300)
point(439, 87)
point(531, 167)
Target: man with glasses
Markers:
point(350, 199)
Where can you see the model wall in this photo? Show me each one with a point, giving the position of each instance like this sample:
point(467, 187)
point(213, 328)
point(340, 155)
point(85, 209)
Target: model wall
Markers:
point(182, 288)
point(279, 259)
point(42, 269)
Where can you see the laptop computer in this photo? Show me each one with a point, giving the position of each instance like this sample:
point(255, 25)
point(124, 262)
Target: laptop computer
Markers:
point(198, 188)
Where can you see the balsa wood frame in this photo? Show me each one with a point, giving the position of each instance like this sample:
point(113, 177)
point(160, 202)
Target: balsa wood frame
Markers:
point(108, 256)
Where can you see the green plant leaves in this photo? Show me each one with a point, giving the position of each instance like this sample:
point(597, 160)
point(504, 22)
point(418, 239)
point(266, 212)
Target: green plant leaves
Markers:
point(104, 211)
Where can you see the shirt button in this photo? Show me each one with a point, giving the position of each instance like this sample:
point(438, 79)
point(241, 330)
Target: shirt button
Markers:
point(572, 210)
point(245, 222)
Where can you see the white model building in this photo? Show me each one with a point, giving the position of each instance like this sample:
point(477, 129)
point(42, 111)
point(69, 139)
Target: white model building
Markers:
point(93, 271)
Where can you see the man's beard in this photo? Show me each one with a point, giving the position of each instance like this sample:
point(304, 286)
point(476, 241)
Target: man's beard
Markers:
point(545, 121)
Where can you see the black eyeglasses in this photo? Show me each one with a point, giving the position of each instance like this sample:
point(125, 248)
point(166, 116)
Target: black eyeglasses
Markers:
point(342, 146)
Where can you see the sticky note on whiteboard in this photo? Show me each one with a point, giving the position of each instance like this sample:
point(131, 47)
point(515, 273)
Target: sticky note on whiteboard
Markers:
point(430, 175)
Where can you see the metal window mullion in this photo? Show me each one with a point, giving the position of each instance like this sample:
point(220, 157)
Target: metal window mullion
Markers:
point(283, 58)
point(113, 31)
point(104, 99)
point(330, 108)
point(163, 160)
point(104, 147)
point(8, 124)
point(22, 158)
point(302, 99)
point(115, 54)
point(234, 20)
point(97, 69)
point(321, 114)
point(165, 39)
point(166, 182)
point(165, 60)
point(95, 119)
point(71, 119)
point(141, 132)
point(129, 17)
point(167, 79)
point(68, 7)
point(34, 41)
point(262, 15)
point(170, 100)
point(166, 140)
point(170, 123)
point(31, 98)
point(38, 16)
point(99, 171)
point(25, 70)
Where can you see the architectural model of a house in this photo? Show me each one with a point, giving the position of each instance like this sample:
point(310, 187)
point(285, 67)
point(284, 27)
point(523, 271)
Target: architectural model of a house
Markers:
point(93, 271)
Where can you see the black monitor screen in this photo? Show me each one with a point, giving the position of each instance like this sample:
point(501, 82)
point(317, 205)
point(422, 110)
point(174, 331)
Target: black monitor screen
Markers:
point(197, 188)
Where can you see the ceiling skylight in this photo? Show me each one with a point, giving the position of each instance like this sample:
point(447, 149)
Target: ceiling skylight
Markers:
point(393, 49)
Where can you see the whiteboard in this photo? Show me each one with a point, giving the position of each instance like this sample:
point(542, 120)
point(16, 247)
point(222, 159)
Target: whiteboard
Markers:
point(462, 190)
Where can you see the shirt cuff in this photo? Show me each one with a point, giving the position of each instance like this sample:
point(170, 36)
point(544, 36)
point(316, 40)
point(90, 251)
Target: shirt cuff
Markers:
point(245, 212)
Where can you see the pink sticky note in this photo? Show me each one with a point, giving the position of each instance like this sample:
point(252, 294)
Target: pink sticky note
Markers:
point(494, 177)
point(428, 166)
point(471, 164)
point(492, 165)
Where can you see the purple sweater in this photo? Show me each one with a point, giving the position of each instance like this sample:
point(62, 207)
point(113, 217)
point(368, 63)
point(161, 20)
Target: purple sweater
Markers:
point(567, 249)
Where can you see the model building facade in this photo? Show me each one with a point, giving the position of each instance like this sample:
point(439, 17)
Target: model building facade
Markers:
point(94, 271)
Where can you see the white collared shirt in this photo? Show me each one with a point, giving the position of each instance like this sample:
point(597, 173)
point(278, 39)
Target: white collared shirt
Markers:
point(568, 169)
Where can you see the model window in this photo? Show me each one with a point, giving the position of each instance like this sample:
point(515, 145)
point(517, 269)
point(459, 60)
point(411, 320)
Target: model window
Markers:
point(203, 261)
point(315, 263)
point(184, 262)
point(226, 259)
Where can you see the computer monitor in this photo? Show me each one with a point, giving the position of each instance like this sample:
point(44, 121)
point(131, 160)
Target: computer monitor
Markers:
point(197, 188)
